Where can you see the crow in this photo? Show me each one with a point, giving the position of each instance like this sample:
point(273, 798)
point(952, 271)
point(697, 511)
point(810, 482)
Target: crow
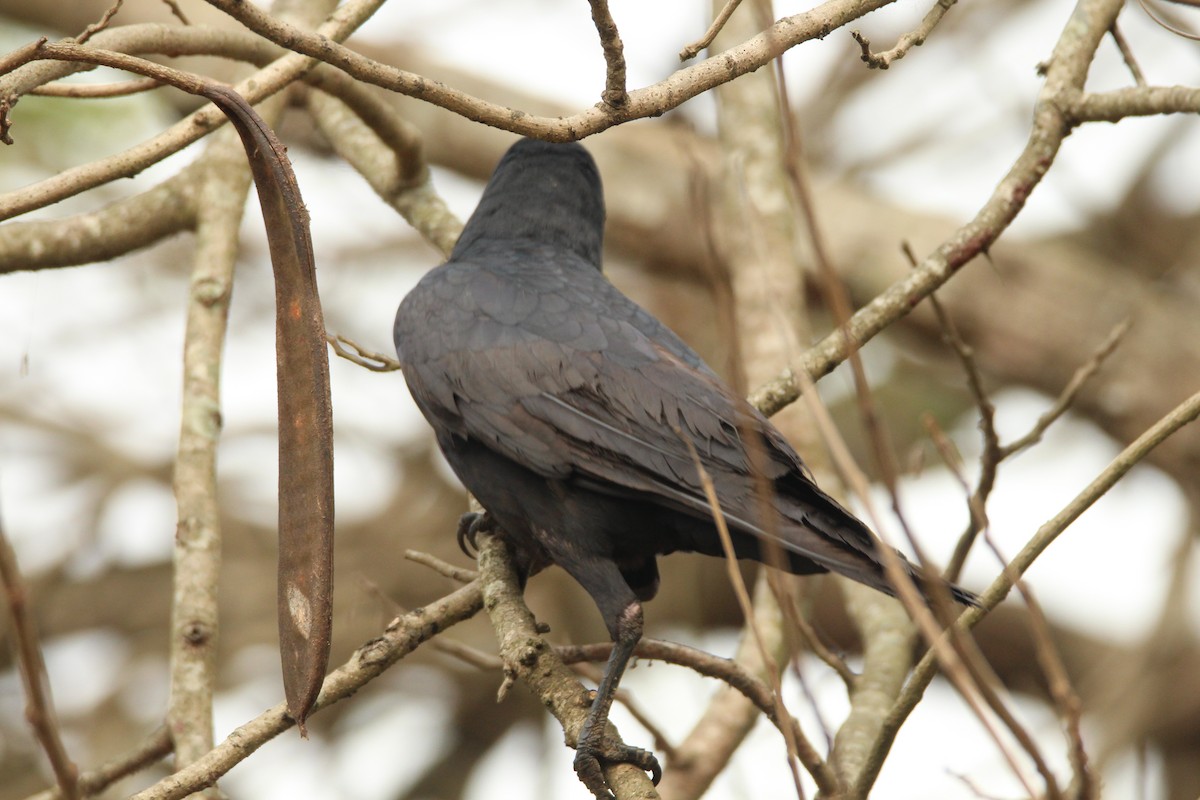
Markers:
point(577, 419)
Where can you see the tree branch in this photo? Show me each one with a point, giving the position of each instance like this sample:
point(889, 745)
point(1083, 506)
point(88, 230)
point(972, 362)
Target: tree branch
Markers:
point(651, 101)
point(254, 89)
point(39, 709)
point(114, 230)
point(528, 657)
point(1058, 110)
point(614, 93)
point(403, 635)
point(923, 673)
point(906, 42)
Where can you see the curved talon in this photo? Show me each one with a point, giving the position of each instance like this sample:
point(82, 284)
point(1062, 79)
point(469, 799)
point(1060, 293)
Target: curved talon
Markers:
point(470, 525)
point(589, 758)
point(463, 534)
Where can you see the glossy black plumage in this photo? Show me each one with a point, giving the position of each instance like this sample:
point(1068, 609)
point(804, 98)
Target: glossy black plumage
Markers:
point(563, 406)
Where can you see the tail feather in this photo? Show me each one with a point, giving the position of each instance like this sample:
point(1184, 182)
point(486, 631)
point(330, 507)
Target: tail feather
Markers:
point(854, 550)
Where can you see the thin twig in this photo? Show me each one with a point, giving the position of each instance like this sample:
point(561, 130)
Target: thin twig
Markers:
point(1063, 88)
point(177, 11)
point(1070, 391)
point(1066, 701)
point(579, 661)
point(468, 655)
point(991, 457)
point(376, 362)
point(818, 647)
point(906, 42)
point(39, 707)
point(441, 567)
point(614, 93)
point(698, 661)
point(1127, 54)
point(87, 91)
point(948, 653)
point(691, 50)
point(985, 678)
point(400, 638)
point(1183, 414)
point(101, 24)
point(797, 744)
point(154, 748)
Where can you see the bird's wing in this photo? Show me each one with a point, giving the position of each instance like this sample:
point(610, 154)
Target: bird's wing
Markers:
point(569, 378)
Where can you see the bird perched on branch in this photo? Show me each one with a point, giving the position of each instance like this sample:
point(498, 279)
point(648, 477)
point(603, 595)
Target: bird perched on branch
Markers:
point(581, 422)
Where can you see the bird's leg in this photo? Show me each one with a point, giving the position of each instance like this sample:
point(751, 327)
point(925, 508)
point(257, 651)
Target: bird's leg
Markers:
point(470, 525)
point(594, 748)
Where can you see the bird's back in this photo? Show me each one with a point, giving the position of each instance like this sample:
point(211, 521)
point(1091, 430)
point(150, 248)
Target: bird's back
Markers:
point(562, 403)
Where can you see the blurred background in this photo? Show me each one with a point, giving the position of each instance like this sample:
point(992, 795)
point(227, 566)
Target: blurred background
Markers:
point(90, 380)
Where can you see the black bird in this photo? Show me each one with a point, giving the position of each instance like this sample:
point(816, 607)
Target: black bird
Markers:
point(568, 411)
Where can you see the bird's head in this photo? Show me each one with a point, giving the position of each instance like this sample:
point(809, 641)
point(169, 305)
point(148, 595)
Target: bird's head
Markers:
point(542, 193)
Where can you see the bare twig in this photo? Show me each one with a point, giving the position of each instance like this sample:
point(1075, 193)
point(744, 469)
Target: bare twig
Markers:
point(39, 708)
point(401, 637)
point(991, 456)
point(614, 93)
point(1061, 106)
point(650, 101)
point(690, 51)
point(376, 362)
point(468, 655)
point(818, 647)
point(101, 24)
point(441, 567)
point(1066, 701)
point(988, 684)
point(155, 747)
point(1183, 414)
point(1135, 101)
point(82, 91)
point(177, 11)
point(1127, 54)
point(577, 657)
point(255, 88)
point(797, 744)
point(1070, 391)
point(906, 42)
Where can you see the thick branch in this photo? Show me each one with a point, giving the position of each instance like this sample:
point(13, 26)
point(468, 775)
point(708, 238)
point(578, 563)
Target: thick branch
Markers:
point(118, 228)
point(197, 552)
point(527, 656)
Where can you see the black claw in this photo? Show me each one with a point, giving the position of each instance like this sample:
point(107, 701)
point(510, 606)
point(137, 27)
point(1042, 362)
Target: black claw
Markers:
point(470, 525)
point(589, 758)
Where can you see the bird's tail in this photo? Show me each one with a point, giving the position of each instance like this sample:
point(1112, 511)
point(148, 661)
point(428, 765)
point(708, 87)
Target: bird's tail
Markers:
point(823, 533)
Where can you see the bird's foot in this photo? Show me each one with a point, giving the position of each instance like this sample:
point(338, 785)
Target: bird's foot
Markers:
point(471, 525)
point(591, 756)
